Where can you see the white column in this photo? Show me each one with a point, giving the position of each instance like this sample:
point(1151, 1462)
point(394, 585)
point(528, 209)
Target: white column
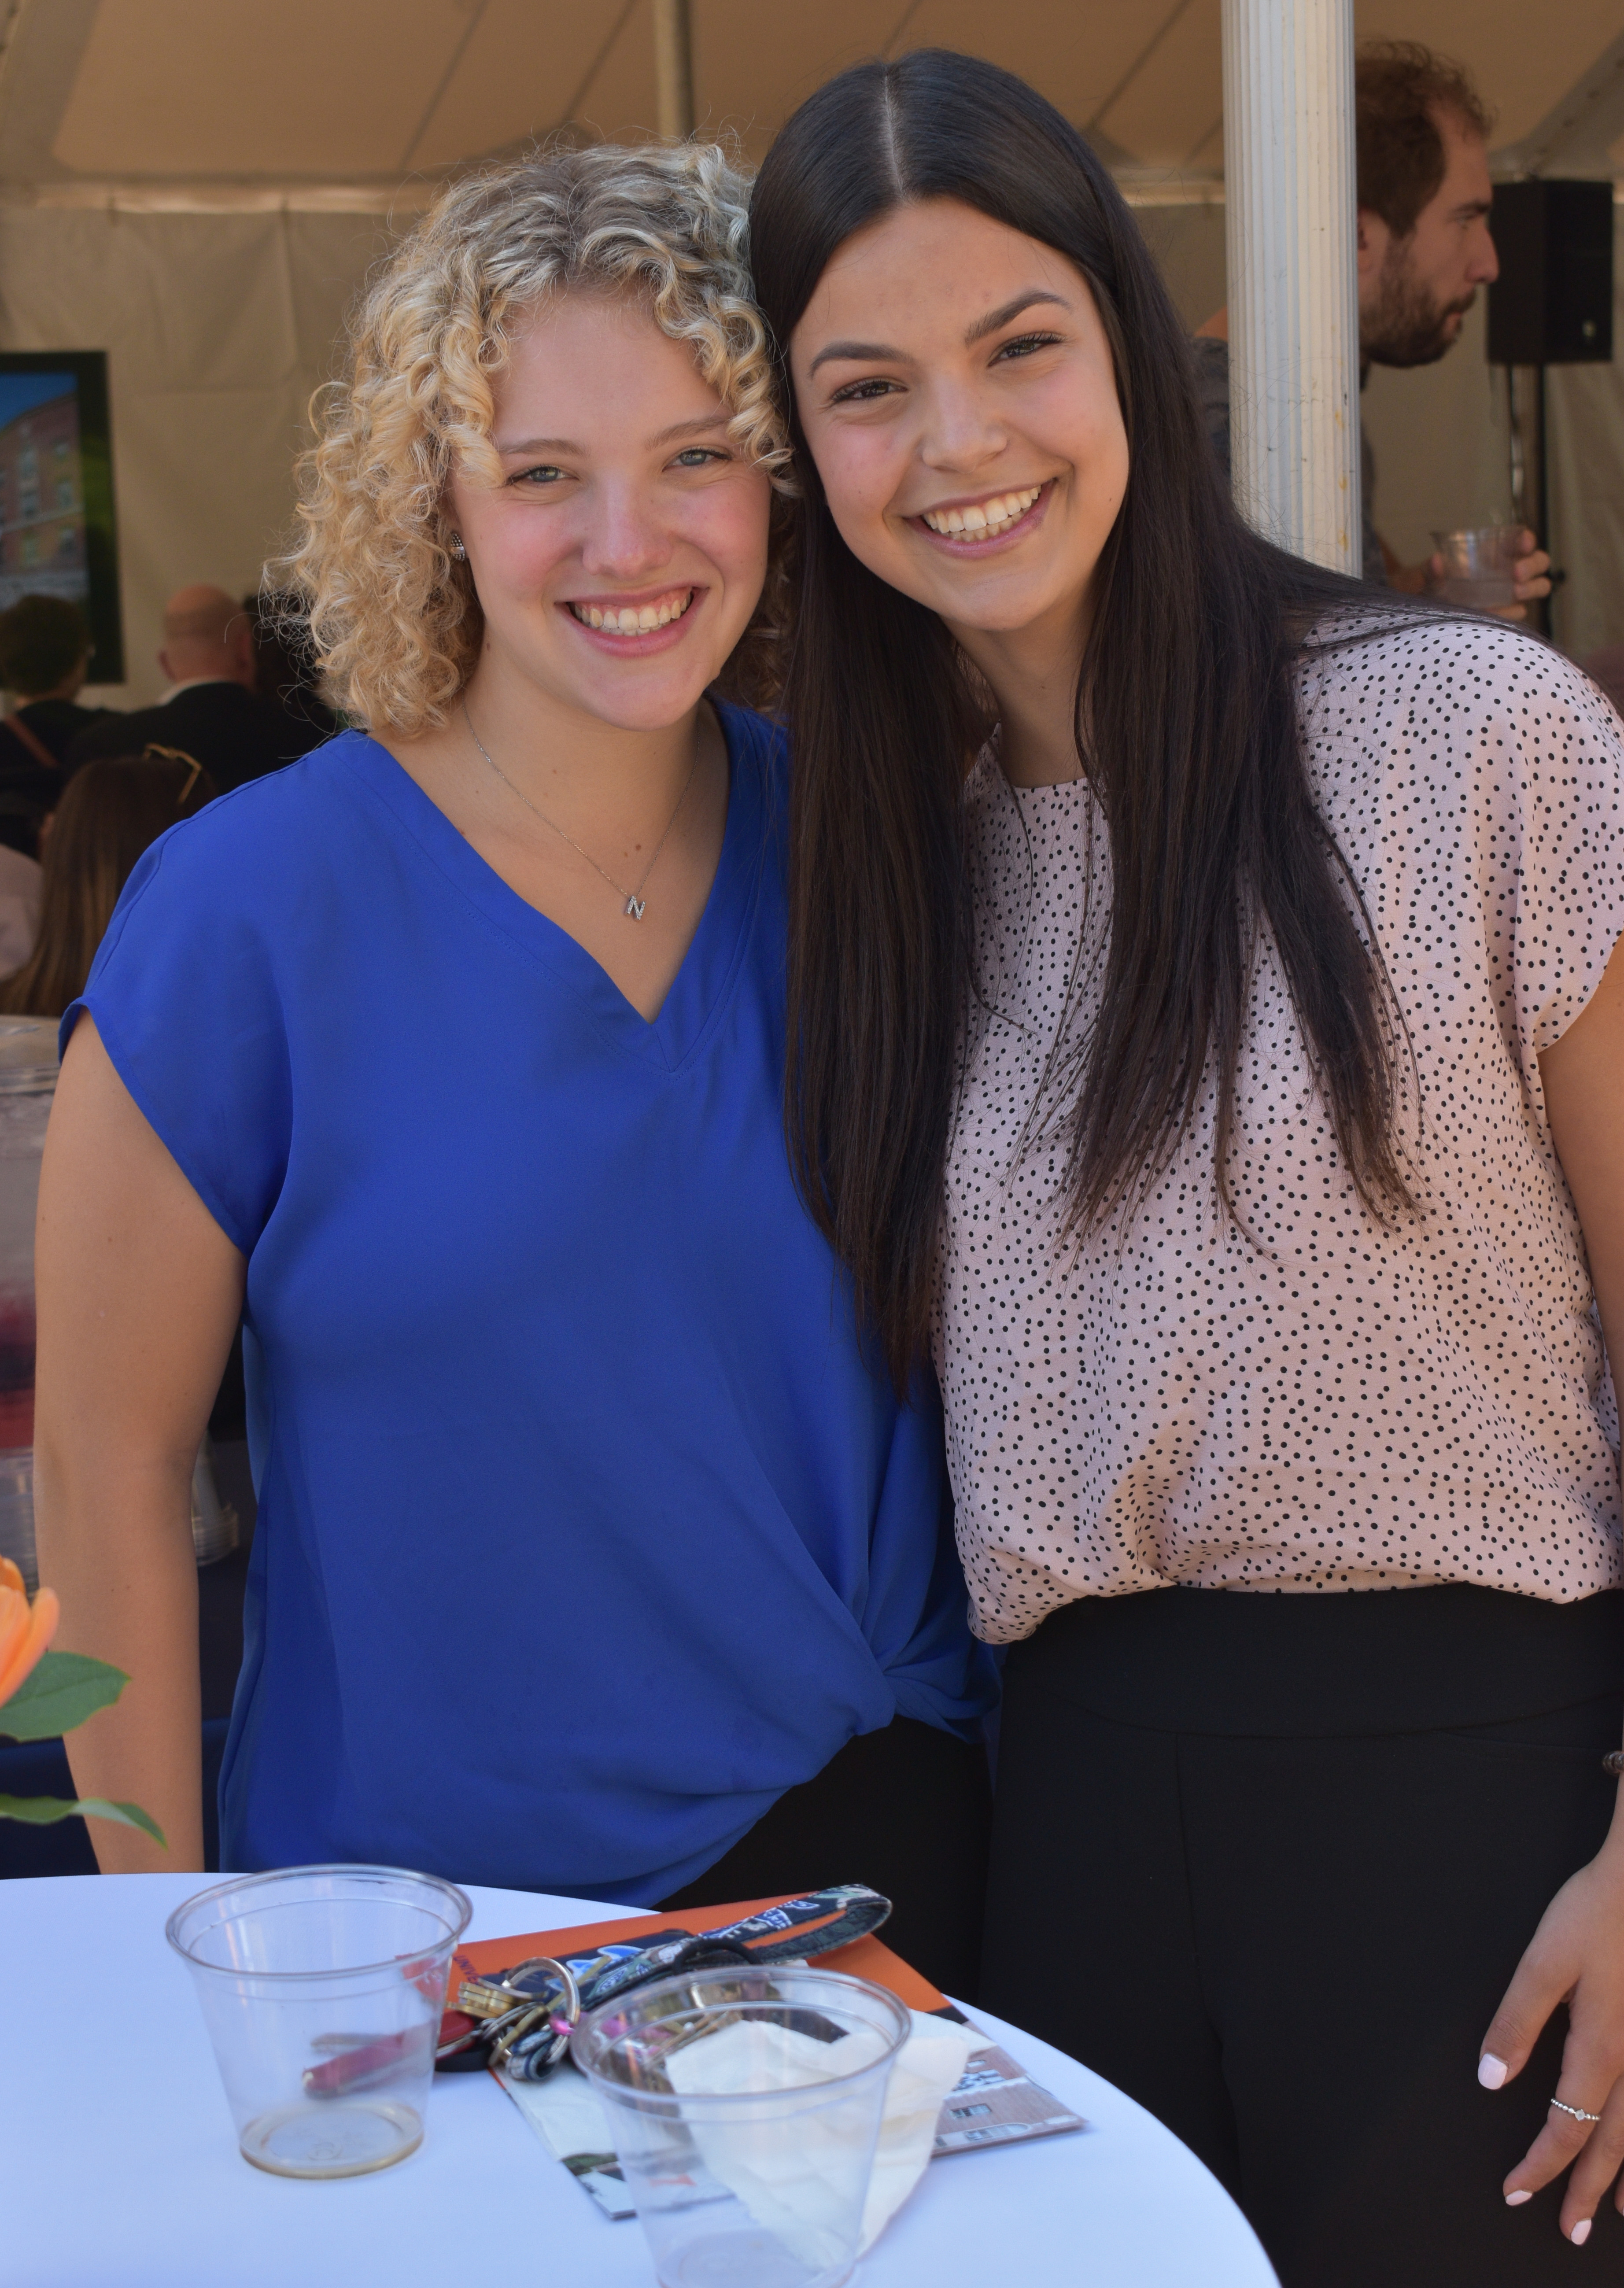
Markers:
point(674, 68)
point(1291, 220)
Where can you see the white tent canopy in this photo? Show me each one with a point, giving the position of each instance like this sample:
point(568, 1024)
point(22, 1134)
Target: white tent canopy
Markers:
point(198, 189)
point(185, 97)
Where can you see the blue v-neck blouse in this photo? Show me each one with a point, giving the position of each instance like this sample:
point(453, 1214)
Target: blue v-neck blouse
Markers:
point(586, 1526)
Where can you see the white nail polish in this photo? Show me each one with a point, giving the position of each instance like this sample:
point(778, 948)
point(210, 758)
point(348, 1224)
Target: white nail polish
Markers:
point(1580, 2232)
point(1491, 2070)
point(1516, 2200)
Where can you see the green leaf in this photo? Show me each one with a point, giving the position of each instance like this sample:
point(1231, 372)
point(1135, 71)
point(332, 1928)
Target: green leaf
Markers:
point(45, 1810)
point(62, 1689)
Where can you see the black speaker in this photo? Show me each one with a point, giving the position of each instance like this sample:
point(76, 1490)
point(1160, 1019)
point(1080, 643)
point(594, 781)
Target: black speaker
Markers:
point(1552, 303)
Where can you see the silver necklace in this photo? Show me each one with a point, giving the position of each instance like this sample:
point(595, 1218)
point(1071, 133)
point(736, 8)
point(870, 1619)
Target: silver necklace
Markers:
point(635, 899)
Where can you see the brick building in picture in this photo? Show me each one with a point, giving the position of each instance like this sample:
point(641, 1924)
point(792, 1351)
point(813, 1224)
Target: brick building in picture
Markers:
point(42, 502)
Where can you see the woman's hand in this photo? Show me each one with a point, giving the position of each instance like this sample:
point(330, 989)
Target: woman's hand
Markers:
point(1529, 573)
point(1576, 1956)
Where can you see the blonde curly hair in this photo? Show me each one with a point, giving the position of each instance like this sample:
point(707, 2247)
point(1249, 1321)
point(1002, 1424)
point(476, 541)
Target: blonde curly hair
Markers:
point(393, 619)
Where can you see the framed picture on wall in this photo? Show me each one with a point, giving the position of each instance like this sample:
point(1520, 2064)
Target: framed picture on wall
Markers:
point(56, 536)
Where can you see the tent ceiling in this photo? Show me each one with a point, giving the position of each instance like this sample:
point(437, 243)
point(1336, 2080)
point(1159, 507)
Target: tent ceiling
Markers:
point(187, 96)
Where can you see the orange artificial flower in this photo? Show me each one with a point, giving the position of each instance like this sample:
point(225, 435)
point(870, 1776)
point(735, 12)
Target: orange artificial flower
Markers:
point(24, 1630)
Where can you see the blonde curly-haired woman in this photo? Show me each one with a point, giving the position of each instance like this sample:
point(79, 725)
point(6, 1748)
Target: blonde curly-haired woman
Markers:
point(593, 1556)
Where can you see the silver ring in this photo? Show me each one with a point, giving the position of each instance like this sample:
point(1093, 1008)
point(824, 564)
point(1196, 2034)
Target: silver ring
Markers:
point(561, 1974)
point(1576, 2111)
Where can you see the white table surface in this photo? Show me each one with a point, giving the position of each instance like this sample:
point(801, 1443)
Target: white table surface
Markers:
point(120, 2166)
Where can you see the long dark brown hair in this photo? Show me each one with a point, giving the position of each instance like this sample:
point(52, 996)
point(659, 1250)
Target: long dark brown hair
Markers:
point(111, 812)
point(1189, 738)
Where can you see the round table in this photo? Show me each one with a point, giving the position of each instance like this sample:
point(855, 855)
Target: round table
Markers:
point(122, 2167)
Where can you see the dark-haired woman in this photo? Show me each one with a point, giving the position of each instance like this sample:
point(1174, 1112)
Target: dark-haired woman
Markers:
point(111, 812)
point(1230, 1084)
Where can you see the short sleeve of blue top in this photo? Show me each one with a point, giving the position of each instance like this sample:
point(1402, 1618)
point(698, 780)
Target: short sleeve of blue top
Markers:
point(585, 1529)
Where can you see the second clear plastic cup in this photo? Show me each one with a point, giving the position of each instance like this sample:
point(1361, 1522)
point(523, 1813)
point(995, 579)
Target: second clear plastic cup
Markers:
point(1480, 564)
point(323, 1989)
point(744, 2106)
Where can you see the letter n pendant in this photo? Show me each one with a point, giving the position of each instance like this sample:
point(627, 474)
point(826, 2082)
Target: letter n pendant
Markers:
point(634, 907)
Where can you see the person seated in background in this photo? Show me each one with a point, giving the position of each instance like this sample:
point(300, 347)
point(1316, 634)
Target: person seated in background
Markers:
point(19, 900)
point(213, 710)
point(111, 812)
point(284, 665)
point(44, 659)
point(1424, 248)
point(44, 656)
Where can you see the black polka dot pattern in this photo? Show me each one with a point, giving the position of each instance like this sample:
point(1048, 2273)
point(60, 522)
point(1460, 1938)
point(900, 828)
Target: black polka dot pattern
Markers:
point(1302, 1399)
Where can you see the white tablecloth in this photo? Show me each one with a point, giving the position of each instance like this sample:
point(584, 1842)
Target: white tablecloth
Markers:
point(120, 2167)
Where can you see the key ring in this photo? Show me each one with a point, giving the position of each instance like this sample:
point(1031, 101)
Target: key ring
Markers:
point(532, 2010)
point(560, 1971)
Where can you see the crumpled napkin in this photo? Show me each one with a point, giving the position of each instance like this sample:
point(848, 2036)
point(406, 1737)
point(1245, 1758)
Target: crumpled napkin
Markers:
point(795, 2178)
point(930, 2062)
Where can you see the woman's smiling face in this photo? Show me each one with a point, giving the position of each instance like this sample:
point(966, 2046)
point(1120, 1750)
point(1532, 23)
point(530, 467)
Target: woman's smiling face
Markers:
point(955, 386)
point(620, 560)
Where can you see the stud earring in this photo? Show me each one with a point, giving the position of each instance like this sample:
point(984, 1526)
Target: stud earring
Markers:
point(458, 550)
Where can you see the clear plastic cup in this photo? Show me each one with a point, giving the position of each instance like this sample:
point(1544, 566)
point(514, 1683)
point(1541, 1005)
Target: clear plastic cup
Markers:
point(1480, 564)
point(744, 2106)
point(323, 1989)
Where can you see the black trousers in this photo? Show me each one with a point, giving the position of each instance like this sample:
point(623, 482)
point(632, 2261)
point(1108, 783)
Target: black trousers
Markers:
point(906, 1810)
point(1269, 1862)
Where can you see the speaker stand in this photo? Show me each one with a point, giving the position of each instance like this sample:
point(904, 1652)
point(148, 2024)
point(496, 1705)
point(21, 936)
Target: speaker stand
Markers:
point(1529, 467)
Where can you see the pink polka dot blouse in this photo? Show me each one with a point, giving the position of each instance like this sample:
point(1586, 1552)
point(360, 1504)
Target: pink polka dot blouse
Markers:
point(1297, 1398)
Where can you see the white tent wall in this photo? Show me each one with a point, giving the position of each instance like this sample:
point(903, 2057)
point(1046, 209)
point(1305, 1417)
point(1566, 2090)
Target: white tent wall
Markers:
point(1439, 436)
point(1587, 456)
point(217, 329)
point(219, 326)
point(178, 186)
point(1440, 439)
point(1188, 243)
point(1442, 460)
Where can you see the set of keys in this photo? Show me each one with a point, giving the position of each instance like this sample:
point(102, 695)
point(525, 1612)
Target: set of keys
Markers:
point(524, 2018)
point(521, 2021)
